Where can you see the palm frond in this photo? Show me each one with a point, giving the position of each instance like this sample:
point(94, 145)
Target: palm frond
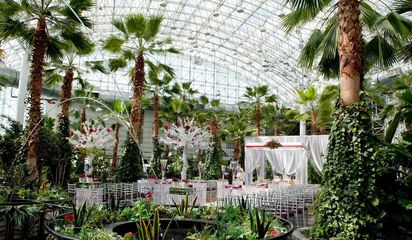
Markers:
point(136, 24)
point(81, 42)
point(303, 11)
point(379, 52)
point(403, 6)
point(55, 48)
point(152, 27)
point(53, 79)
point(11, 28)
point(113, 44)
point(309, 51)
point(119, 25)
point(115, 64)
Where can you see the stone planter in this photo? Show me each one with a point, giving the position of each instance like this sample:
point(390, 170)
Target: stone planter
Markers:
point(178, 227)
point(297, 234)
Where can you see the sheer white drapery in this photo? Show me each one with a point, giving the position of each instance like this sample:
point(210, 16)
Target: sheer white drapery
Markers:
point(318, 146)
point(287, 161)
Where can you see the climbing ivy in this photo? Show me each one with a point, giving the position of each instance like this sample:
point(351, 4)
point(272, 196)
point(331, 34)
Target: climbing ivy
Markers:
point(348, 205)
point(155, 168)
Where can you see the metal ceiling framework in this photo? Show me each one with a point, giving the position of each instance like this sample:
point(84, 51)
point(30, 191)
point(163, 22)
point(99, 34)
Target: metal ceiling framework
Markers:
point(226, 45)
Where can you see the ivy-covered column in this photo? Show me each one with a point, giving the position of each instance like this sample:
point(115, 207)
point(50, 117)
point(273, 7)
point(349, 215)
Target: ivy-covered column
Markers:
point(348, 203)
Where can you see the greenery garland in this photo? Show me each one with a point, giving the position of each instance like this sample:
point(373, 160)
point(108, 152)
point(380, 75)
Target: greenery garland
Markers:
point(348, 205)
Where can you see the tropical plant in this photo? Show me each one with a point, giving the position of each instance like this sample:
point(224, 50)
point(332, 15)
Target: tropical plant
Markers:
point(382, 46)
point(258, 95)
point(237, 127)
point(259, 222)
point(401, 110)
point(405, 7)
point(310, 100)
point(351, 144)
point(158, 85)
point(81, 215)
point(185, 208)
point(282, 120)
point(119, 108)
point(150, 230)
point(38, 23)
point(139, 36)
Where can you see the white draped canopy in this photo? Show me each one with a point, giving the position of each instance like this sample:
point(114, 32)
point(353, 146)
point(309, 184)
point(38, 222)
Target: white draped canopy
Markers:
point(290, 159)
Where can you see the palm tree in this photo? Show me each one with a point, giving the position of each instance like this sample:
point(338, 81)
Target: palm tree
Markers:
point(236, 128)
point(71, 71)
point(280, 119)
point(158, 86)
point(405, 7)
point(339, 47)
point(139, 36)
point(257, 96)
point(36, 22)
point(118, 108)
point(309, 99)
point(400, 111)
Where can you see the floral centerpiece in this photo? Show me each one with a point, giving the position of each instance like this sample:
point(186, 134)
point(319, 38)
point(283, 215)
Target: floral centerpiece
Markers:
point(273, 144)
point(185, 134)
point(89, 141)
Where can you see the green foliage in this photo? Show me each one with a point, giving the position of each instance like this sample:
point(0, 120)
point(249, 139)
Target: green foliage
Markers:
point(185, 208)
point(157, 156)
point(213, 168)
point(10, 145)
point(259, 223)
point(131, 166)
point(150, 230)
point(82, 215)
point(349, 177)
point(313, 176)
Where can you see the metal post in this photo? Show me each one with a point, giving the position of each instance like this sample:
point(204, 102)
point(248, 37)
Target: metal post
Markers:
point(23, 79)
point(302, 124)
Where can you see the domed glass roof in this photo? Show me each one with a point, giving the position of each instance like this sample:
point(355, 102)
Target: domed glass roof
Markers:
point(226, 45)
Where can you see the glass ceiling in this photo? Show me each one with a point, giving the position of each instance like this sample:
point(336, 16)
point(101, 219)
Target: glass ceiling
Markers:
point(226, 45)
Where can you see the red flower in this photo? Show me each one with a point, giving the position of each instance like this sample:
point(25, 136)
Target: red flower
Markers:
point(152, 178)
point(69, 217)
point(187, 126)
point(148, 196)
point(89, 175)
point(174, 179)
point(129, 234)
point(108, 129)
point(82, 175)
point(71, 133)
point(273, 232)
point(166, 127)
point(190, 186)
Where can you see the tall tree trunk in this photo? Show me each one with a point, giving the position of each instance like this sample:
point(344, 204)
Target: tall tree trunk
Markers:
point(257, 120)
point(214, 126)
point(322, 130)
point(236, 150)
point(116, 145)
point(66, 92)
point(314, 128)
point(277, 130)
point(156, 116)
point(140, 125)
point(83, 119)
point(37, 69)
point(138, 86)
point(350, 51)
